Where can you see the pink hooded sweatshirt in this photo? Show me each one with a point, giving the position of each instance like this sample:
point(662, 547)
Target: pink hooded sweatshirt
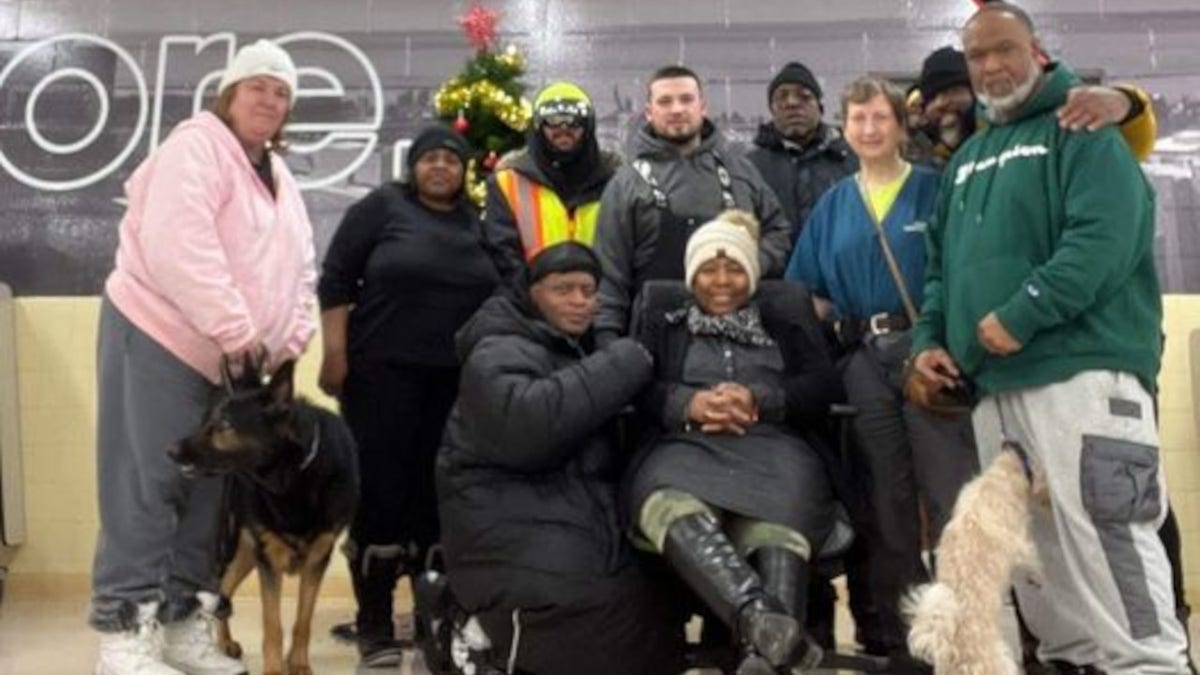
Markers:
point(209, 263)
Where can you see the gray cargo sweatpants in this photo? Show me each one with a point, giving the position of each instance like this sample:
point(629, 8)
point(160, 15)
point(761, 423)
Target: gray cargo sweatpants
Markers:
point(1104, 594)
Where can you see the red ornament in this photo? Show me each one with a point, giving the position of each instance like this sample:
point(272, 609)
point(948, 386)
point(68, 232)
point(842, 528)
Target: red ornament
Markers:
point(491, 160)
point(479, 23)
point(461, 125)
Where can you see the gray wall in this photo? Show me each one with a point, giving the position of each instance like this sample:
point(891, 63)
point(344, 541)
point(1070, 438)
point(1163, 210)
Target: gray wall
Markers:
point(60, 241)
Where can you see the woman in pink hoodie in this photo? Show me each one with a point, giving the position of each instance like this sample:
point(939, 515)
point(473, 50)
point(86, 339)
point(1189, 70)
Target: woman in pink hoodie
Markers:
point(215, 258)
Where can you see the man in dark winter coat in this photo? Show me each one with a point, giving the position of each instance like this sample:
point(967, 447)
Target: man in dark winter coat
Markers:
point(527, 483)
point(682, 176)
point(798, 155)
point(549, 191)
point(801, 157)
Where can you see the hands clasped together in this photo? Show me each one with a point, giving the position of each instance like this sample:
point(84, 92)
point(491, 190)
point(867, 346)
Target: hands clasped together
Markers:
point(727, 408)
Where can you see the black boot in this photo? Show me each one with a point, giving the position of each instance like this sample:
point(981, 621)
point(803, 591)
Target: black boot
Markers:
point(785, 577)
point(820, 611)
point(705, 559)
point(436, 613)
point(374, 570)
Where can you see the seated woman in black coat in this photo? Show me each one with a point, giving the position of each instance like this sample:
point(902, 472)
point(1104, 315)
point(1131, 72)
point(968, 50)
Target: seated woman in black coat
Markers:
point(740, 381)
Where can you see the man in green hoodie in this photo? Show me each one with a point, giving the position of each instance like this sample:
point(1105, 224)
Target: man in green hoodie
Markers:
point(1041, 288)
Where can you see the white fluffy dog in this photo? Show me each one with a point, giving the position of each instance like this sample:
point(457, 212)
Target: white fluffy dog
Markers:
point(956, 621)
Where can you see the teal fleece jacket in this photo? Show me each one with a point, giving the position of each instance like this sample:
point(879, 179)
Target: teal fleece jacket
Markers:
point(1054, 232)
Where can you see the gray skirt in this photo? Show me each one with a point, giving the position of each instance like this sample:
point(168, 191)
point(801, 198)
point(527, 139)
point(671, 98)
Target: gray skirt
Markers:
point(769, 474)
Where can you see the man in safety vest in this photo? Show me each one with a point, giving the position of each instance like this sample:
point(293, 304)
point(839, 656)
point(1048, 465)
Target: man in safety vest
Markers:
point(549, 191)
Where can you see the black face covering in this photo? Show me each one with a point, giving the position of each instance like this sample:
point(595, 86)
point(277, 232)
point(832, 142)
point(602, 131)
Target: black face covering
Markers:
point(567, 171)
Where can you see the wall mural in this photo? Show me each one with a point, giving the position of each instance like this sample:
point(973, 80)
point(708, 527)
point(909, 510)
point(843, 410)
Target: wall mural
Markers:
point(80, 109)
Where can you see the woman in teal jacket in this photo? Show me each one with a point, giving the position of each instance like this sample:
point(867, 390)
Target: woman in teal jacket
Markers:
point(904, 457)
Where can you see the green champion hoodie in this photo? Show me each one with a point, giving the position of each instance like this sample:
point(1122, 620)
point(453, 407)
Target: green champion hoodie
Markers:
point(1054, 231)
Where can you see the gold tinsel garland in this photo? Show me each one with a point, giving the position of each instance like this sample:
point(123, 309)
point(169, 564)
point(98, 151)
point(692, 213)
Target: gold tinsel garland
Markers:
point(454, 96)
point(476, 186)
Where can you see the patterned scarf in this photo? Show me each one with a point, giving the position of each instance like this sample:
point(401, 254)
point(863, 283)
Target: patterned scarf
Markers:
point(742, 327)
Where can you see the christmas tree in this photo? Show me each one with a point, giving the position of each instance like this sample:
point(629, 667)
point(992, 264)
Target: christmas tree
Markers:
point(485, 101)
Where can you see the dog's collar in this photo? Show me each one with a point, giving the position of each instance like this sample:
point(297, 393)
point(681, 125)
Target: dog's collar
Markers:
point(312, 447)
point(1016, 448)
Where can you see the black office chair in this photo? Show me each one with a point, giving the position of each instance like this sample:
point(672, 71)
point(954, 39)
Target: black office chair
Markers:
point(455, 643)
point(659, 297)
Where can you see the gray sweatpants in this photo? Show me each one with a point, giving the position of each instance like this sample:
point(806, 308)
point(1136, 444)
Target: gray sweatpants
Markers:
point(1104, 595)
point(158, 530)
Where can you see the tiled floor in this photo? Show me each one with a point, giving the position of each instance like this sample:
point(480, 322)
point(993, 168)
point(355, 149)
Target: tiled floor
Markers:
point(49, 637)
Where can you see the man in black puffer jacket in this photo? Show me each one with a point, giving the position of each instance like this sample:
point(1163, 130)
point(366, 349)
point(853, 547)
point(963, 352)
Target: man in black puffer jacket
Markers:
point(527, 483)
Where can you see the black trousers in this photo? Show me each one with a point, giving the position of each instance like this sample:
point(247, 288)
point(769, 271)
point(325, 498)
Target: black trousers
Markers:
point(903, 456)
point(397, 414)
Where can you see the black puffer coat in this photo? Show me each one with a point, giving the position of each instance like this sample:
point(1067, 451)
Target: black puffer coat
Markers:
point(528, 469)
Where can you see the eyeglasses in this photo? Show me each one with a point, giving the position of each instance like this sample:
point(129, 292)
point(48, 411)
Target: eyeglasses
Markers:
point(562, 121)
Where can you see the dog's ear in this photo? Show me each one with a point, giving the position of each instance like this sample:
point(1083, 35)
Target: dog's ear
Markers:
point(227, 378)
point(253, 363)
point(282, 387)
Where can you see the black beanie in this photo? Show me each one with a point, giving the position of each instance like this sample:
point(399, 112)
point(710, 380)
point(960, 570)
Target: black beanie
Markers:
point(794, 73)
point(434, 137)
point(567, 256)
point(945, 68)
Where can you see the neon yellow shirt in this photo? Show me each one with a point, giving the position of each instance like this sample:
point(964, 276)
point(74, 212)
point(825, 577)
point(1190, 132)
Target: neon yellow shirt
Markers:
point(883, 197)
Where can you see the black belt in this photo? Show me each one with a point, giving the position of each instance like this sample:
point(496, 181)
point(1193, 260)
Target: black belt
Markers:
point(851, 330)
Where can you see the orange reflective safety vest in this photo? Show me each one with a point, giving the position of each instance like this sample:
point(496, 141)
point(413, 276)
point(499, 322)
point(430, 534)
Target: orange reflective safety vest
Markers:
point(542, 218)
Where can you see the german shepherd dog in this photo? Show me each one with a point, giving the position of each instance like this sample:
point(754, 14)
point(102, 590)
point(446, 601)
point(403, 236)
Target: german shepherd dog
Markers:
point(293, 488)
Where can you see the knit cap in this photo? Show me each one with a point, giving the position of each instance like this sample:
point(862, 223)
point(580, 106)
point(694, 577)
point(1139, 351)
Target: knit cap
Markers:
point(794, 73)
point(260, 58)
point(944, 68)
point(433, 137)
point(734, 233)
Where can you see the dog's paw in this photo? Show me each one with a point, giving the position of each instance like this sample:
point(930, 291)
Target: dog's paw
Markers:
point(298, 665)
point(933, 611)
point(232, 649)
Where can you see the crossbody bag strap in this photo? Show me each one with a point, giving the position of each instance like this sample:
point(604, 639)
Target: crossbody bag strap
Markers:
point(909, 308)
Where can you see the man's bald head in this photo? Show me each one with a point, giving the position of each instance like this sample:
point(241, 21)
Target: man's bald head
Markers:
point(1006, 8)
point(1002, 54)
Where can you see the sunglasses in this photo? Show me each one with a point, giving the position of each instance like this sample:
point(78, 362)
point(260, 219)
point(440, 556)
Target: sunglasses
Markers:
point(562, 121)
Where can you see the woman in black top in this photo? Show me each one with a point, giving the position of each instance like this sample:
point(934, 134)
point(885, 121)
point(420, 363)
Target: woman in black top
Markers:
point(405, 269)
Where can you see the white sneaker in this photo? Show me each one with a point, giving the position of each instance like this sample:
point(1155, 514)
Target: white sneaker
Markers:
point(191, 644)
point(135, 652)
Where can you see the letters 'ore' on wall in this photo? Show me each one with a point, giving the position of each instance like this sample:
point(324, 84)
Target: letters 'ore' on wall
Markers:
point(88, 89)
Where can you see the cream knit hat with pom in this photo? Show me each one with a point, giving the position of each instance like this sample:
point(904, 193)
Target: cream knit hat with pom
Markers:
point(735, 233)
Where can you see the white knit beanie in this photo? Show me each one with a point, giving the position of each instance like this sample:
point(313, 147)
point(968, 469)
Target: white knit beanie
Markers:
point(734, 232)
point(260, 58)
